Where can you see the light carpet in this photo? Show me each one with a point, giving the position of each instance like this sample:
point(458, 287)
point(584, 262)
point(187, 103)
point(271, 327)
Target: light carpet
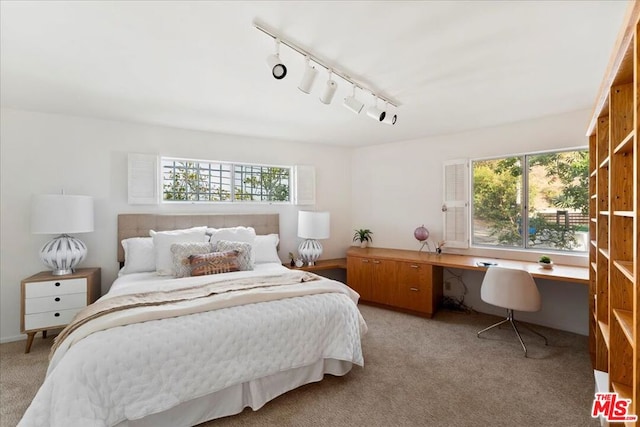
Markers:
point(418, 372)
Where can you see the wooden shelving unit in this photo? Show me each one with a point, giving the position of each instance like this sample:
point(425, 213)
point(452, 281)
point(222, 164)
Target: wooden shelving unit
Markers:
point(614, 205)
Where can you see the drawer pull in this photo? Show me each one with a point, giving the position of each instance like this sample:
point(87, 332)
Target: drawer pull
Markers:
point(414, 289)
point(415, 266)
point(375, 261)
point(57, 283)
point(57, 299)
point(57, 314)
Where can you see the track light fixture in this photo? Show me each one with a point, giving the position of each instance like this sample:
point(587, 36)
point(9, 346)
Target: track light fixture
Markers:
point(308, 78)
point(376, 113)
point(329, 91)
point(389, 119)
point(278, 69)
point(352, 104)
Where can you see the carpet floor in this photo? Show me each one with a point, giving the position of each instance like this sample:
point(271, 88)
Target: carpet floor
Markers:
point(418, 372)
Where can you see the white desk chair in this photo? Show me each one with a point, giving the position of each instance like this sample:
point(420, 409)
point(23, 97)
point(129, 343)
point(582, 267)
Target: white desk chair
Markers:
point(514, 290)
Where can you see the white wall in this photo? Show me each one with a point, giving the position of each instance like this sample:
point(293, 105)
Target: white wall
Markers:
point(44, 153)
point(397, 187)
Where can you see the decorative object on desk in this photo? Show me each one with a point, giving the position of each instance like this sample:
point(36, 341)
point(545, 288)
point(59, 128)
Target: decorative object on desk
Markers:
point(440, 246)
point(545, 262)
point(422, 235)
point(363, 236)
point(62, 214)
point(299, 263)
point(312, 226)
point(292, 259)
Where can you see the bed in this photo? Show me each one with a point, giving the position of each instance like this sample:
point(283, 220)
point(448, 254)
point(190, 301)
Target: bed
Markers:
point(162, 350)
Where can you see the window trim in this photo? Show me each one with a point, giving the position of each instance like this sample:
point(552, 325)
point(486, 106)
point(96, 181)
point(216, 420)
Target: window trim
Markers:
point(525, 191)
point(231, 178)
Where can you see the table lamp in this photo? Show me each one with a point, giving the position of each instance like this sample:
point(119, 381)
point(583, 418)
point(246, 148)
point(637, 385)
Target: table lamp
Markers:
point(62, 214)
point(312, 226)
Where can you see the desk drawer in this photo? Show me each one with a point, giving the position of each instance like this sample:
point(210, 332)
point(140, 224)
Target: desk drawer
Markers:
point(55, 303)
point(55, 287)
point(49, 319)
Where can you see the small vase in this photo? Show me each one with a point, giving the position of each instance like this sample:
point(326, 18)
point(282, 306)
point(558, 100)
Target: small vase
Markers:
point(292, 263)
point(438, 251)
point(363, 244)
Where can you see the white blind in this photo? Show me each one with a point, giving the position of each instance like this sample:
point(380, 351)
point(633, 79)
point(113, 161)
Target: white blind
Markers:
point(455, 206)
point(143, 179)
point(304, 185)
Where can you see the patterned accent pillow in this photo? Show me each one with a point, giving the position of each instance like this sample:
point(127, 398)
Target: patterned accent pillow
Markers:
point(244, 252)
point(180, 253)
point(214, 263)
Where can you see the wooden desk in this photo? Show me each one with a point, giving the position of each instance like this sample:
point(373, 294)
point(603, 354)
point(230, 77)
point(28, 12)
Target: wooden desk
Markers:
point(564, 273)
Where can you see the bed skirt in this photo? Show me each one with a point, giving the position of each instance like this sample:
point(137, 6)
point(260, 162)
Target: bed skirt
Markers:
point(234, 399)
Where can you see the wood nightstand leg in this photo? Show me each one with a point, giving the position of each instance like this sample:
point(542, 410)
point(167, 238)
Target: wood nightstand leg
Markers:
point(30, 337)
point(44, 334)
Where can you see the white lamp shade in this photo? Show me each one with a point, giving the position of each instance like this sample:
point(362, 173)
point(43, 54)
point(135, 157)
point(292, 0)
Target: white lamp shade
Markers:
point(61, 214)
point(329, 91)
point(313, 225)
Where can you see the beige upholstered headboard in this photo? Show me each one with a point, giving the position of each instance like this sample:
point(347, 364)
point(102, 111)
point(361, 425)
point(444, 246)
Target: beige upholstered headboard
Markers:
point(138, 225)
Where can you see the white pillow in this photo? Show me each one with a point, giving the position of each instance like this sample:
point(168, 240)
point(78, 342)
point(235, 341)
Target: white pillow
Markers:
point(233, 234)
point(139, 256)
point(265, 249)
point(162, 241)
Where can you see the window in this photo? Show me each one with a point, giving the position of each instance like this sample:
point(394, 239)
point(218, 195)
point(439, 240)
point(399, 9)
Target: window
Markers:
point(534, 201)
point(210, 181)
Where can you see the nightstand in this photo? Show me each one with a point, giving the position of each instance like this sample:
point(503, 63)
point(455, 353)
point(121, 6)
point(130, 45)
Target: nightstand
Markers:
point(324, 264)
point(51, 302)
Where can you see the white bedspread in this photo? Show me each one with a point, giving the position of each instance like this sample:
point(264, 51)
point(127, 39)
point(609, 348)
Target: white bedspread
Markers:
point(129, 372)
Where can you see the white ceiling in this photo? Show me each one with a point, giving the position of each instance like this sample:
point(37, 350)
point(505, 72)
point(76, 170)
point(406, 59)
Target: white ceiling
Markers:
point(453, 66)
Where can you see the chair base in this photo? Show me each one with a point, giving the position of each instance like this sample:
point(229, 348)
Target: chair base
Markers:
point(512, 321)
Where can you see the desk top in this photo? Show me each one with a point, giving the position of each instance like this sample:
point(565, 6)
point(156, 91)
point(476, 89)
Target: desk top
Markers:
point(565, 273)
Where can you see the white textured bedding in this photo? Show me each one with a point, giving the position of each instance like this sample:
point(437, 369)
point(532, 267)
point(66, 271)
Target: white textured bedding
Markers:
point(132, 372)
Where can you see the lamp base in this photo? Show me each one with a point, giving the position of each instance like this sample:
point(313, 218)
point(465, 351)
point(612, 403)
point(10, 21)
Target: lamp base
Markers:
point(62, 254)
point(310, 250)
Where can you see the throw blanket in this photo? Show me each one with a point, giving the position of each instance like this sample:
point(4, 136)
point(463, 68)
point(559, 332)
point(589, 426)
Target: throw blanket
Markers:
point(202, 292)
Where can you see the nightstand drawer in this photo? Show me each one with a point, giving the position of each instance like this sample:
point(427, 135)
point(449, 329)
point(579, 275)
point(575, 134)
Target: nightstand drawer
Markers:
point(55, 303)
point(49, 319)
point(55, 287)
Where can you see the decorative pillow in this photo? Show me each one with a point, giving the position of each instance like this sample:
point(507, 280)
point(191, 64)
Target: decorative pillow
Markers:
point(162, 241)
point(265, 249)
point(139, 256)
point(214, 263)
point(244, 252)
point(180, 253)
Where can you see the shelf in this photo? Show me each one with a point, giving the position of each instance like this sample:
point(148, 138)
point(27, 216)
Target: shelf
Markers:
point(594, 243)
point(594, 196)
point(605, 213)
point(594, 266)
point(604, 252)
point(604, 328)
point(625, 318)
point(605, 163)
point(624, 391)
point(626, 268)
point(628, 214)
point(594, 220)
point(594, 173)
point(626, 146)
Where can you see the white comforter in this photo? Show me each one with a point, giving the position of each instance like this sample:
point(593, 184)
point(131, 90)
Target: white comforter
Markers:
point(129, 372)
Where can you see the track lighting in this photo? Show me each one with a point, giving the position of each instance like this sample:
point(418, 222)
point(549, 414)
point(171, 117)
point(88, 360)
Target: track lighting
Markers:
point(376, 113)
point(389, 119)
point(329, 91)
point(278, 69)
point(308, 78)
point(352, 104)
